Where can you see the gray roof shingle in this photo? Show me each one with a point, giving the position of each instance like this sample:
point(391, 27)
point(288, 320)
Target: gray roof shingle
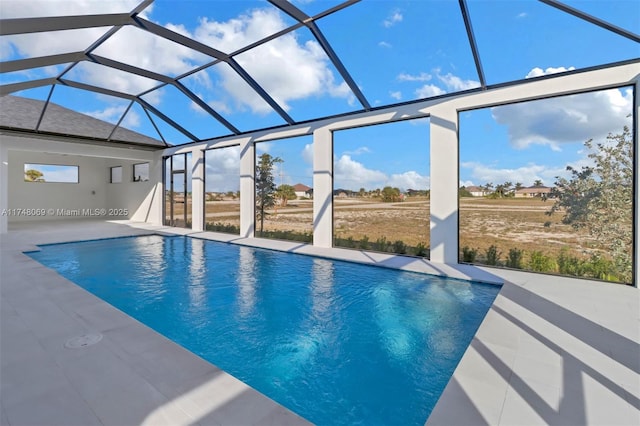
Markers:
point(23, 113)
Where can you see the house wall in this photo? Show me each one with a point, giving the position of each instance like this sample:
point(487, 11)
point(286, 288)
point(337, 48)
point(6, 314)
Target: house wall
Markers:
point(68, 201)
point(56, 198)
point(136, 198)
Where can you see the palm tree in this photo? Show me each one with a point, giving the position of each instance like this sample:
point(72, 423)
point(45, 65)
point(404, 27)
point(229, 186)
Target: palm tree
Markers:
point(538, 182)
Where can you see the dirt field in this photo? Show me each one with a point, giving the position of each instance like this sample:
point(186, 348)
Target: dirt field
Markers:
point(506, 223)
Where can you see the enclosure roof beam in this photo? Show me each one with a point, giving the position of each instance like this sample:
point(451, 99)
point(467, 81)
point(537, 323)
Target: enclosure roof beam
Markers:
point(41, 61)
point(7, 89)
point(300, 16)
point(472, 42)
point(592, 19)
point(175, 125)
point(96, 89)
point(60, 23)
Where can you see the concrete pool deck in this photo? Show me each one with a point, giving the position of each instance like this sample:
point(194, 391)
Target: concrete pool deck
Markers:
point(551, 350)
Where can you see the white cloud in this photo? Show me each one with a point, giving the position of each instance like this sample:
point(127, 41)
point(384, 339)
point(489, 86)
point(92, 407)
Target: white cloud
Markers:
point(482, 173)
point(358, 151)
point(522, 15)
point(451, 83)
point(286, 68)
point(455, 83)
point(393, 18)
point(113, 113)
point(409, 180)
point(565, 119)
point(423, 76)
point(396, 95)
point(350, 174)
point(219, 106)
point(223, 169)
point(307, 153)
point(429, 90)
point(537, 72)
point(145, 50)
point(41, 44)
point(385, 44)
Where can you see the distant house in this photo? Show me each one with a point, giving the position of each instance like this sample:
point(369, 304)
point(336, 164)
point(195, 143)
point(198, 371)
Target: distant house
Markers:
point(476, 191)
point(344, 193)
point(303, 191)
point(532, 191)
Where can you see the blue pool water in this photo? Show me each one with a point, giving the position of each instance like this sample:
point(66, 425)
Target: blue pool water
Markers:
point(336, 342)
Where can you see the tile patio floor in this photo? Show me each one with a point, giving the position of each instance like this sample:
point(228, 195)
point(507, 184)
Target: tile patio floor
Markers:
point(551, 350)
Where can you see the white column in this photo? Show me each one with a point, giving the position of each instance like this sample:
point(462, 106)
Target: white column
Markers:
point(444, 184)
point(247, 189)
point(636, 154)
point(4, 187)
point(197, 189)
point(322, 188)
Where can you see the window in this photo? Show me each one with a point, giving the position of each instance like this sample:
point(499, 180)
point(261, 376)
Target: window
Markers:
point(547, 185)
point(50, 173)
point(381, 187)
point(141, 172)
point(116, 174)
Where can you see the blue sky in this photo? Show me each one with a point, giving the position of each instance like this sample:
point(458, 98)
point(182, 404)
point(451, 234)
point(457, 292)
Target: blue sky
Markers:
point(395, 51)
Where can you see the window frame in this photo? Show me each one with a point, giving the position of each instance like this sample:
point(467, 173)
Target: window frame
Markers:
point(77, 167)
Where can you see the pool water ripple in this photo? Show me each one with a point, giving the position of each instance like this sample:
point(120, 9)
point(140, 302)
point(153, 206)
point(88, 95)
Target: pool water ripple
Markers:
point(336, 342)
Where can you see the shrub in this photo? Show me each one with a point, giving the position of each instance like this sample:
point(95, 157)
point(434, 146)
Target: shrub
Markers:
point(492, 255)
point(570, 265)
point(421, 250)
point(469, 254)
point(305, 237)
point(399, 247)
point(363, 244)
point(380, 244)
point(515, 258)
point(539, 262)
point(601, 268)
point(222, 227)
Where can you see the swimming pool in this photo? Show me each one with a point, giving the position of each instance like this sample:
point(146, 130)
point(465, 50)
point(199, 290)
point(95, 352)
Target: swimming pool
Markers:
point(336, 342)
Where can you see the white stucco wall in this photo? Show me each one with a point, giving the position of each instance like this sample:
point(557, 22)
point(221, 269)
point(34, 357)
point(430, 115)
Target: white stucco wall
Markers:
point(57, 198)
point(62, 201)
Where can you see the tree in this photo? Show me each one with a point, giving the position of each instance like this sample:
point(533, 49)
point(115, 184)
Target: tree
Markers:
point(390, 194)
point(599, 198)
point(518, 186)
point(285, 193)
point(265, 186)
point(538, 182)
point(33, 175)
point(464, 192)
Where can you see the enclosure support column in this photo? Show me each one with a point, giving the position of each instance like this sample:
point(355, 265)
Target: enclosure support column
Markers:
point(444, 184)
point(4, 187)
point(197, 190)
point(322, 188)
point(636, 212)
point(247, 189)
